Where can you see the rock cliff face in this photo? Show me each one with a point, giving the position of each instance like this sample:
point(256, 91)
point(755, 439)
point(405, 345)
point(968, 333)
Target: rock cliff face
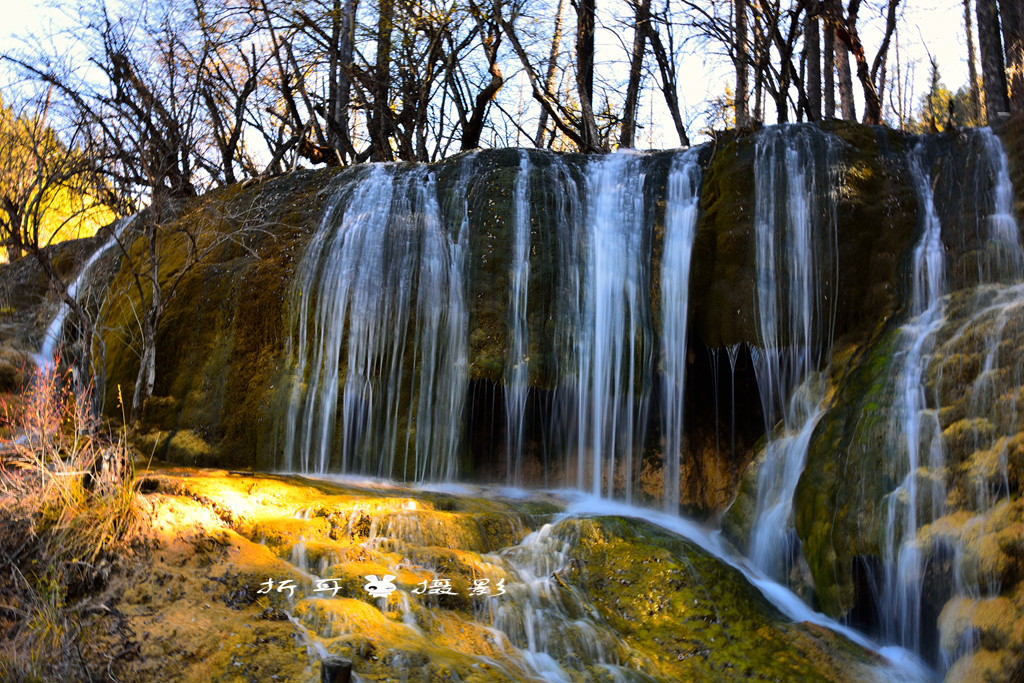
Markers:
point(512, 316)
point(227, 343)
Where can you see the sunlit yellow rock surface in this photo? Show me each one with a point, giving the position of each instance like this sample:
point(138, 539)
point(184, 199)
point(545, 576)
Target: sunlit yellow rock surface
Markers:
point(599, 598)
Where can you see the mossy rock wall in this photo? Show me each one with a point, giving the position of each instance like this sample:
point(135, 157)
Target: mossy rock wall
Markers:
point(221, 345)
point(970, 507)
point(220, 341)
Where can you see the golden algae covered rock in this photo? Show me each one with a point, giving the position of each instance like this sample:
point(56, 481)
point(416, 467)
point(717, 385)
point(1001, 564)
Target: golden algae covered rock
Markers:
point(253, 577)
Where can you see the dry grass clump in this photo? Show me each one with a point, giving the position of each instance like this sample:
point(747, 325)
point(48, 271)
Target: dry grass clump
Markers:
point(67, 513)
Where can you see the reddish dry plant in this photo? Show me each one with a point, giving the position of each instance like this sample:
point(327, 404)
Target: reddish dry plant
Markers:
point(67, 513)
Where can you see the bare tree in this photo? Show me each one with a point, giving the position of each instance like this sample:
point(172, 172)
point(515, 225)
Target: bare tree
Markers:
point(741, 59)
point(1011, 18)
point(586, 16)
point(642, 15)
point(45, 184)
point(812, 46)
point(972, 68)
point(552, 68)
point(993, 73)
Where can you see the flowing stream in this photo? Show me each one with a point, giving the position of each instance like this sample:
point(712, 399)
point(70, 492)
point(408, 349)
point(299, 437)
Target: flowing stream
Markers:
point(795, 223)
point(54, 331)
point(380, 333)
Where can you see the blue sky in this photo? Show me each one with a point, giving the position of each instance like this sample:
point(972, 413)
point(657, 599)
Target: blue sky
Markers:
point(701, 77)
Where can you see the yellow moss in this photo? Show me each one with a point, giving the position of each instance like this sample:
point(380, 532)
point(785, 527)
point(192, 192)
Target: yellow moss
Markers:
point(981, 666)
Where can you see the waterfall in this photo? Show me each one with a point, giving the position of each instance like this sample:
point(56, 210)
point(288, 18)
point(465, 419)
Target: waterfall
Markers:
point(680, 229)
point(517, 363)
point(1002, 230)
point(900, 605)
point(916, 438)
point(796, 276)
point(610, 382)
point(54, 331)
point(380, 294)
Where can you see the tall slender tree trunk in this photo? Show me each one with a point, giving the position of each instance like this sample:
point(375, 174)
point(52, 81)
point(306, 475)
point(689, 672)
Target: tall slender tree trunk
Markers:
point(146, 378)
point(549, 77)
point(669, 85)
point(379, 128)
point(1011, 15)
point(585, 25)
point(972, 67)
point(812, 82)
point(993, 73)
point(843, 68)
point(742, 59)
point(872, 103)
point(334, 85)
point(829, 66)
point(636, 62)
point(345, 50)
point(846, 103)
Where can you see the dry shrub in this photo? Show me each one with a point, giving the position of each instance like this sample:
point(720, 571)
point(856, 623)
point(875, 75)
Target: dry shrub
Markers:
point(67, 514)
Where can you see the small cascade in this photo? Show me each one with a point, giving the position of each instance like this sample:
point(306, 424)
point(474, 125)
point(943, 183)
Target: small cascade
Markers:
point(607, 381)
point(795, 223)
point(541, 615)
point(54, 331)
point(517, 362)
point(548, 621)
point(916, 427)
point(1002, 230)
point(380, 295)
point(680, 229)
point(914, 436)
point(896, 664)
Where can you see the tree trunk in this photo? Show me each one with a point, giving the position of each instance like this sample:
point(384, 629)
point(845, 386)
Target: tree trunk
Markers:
point(549, 77)
point(972, 68)
point(585, 17)
point(993, 74)
point(829, 67)
point(642, 15)
point(742, 59)
point(846, 104)
point(334, 86)
point(760, 60)
point(340, 85)
point(1012, 20)
point(146, 378)
point(379, 128)
point(812, 83)
point(668, 81)
point(491, 38)
point(872, 105)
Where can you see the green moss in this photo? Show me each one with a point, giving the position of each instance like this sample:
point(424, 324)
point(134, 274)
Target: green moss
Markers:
point(691, 616)
point(220, 342)
point(839, 513)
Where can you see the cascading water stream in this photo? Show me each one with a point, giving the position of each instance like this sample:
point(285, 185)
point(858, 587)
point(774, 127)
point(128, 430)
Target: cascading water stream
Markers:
point(52, 337)
point(610, 383)
point(546, 627)
point(795, 224)
point(680, 229)
point(380, 294)
point(899, 664)
point(900, 606)
point(916, 430)
point(1003, 231)
point(517, 363)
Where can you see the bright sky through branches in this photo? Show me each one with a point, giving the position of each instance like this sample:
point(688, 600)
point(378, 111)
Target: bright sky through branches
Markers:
point(702, 76)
